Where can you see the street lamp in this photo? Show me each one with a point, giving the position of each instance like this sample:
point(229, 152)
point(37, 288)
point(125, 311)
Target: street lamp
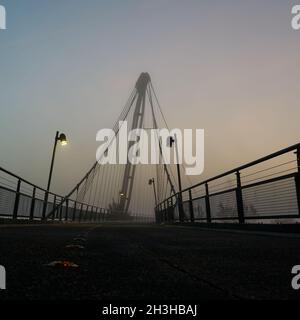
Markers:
point(59, 137)
point(63, 140)
point(152, 182)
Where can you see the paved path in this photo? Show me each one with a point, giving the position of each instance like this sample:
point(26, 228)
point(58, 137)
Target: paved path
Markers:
point(144, 262)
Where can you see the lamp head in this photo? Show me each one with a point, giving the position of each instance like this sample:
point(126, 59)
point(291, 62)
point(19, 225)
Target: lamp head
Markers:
point(63, 139)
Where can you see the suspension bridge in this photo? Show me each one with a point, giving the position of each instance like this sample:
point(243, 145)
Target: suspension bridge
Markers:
point(112, 236)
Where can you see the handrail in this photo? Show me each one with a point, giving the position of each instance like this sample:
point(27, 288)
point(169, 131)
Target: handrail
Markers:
point(242, 167)
point(19, 193)
point(27, 182)
point(163, 207)
point(39, 188)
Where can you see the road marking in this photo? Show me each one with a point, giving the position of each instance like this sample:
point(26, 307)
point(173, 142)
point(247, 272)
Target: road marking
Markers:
point(80, 239)
point(64, 264)
point(74, 246)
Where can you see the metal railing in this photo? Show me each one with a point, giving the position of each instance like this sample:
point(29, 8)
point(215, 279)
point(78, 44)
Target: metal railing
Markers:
point(265, 189)
point(22, 200)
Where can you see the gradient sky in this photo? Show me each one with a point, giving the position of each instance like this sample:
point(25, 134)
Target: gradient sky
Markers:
point(230, 67)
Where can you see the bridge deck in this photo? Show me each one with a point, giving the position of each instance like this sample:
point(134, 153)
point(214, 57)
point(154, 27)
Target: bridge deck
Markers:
point(146, 262)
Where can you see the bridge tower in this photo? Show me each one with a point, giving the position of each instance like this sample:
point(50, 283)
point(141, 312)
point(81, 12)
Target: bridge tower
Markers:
point(121, 183)
point(137, 123)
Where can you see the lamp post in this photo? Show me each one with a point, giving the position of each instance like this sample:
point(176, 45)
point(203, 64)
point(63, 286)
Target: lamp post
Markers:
point(180, 205)
point(59, 137)
point(152, 182)
point(63, 141)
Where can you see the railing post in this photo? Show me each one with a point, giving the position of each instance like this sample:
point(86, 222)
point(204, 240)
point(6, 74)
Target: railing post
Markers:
point(86, 216)
point(60, 211)
point(74, 211)
point(180, 207)
point(166, 206)
point(45, 205)
point(207, 204)
point(239, 198)
point(17, 201)
point(55, 215)
point(97, 215)
point(191, 206)
point(31, 216)
point(67, 210)
point(168, 211)
point(297, 178)
point(92, 215)
point(172, 210)
point(80, 213)
point(161, 213)
point(165, 211)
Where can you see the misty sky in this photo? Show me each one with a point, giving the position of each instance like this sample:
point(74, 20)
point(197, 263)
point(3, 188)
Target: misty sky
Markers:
point(230, 67)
